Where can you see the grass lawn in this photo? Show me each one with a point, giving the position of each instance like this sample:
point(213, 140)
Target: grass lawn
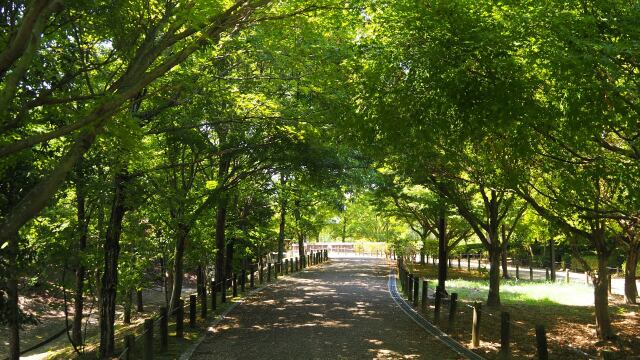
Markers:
point(565, 309)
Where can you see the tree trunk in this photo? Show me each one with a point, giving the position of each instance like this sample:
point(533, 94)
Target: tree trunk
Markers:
point(423, 251)
point(178, 265)
point(442, 254)
point(493, 298)
point(630, 287)
point(13, 309)
point(344, 228)
point(601, 296)
point(200, 279)
point(298, 216)
point(128, 304)
point(110, 272)
point(552, 254)
point(504, 253)
point(283, 219)
point(76, 330)
point(228, 265)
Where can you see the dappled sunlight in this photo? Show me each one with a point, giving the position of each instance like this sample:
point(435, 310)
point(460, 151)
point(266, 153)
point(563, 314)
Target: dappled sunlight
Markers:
point(343, 311)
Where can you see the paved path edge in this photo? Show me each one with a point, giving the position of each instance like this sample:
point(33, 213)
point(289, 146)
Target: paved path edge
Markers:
point(425, 324)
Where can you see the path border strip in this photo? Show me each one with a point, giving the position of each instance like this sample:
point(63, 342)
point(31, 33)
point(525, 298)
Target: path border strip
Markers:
point(426, 325)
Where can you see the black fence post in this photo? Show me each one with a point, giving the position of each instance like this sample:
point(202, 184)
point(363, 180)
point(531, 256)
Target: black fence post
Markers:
point(453, 310)
point(268, 272)
point(180, 319)
point(235, 285)
point(192, 310)
point(130, 345)
point(147, 353)
point(437, 305)
point(261, 274)
point(286, 266)
point(468, 262)
point(296, 267)
point(425, 295)
point(164, 329)
point(505, 335)
point(541, 343)
point(416, 290)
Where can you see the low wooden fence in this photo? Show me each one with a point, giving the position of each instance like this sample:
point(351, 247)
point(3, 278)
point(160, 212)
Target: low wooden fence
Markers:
point(416, 291)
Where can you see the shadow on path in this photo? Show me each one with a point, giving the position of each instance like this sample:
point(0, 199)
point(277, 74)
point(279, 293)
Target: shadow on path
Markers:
point(341, 310)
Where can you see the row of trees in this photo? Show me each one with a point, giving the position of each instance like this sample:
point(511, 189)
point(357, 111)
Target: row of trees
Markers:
point(169, 136)
point(496, 108)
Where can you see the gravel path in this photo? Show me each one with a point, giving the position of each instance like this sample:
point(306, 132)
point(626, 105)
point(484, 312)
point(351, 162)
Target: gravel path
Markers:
point(340, 310)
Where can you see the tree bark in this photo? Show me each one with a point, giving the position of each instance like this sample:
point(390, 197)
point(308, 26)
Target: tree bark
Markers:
point(110, 272)
point(178, 264)
point(552, 254)
point(630, 287)
point(76, 331)
point(494, 276)
point(283, 219)
point(601, 296)
point(442, 253)
point(504, 252)
point(13, 309)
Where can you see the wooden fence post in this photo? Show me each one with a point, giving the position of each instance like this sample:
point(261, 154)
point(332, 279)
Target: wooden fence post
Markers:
point(541, 342)
point(261, 274)
point(286, 266)
point(459, 261)
point(530, 272)
point(416, 290)
point(479, 261)
point(609, 280)
point(567, 279)
point(586, 277)
point(505, 335)
point(475, 327)
point(180, 319)
point(517, 270)
point(139, 307)
point(164, 329)
point(213, 296)
point(243, 280)
point(192, 310)
point(130, 345)
point(296, 267)
point(276, 270)
point(268, 272)
point(546, 274)
point(425, 295)
point(252, 278)
point(235, 285)
point(453, 310)
point(410, 287)
point(147, 353)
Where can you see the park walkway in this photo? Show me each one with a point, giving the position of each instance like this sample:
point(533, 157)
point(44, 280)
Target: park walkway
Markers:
point(340, 310)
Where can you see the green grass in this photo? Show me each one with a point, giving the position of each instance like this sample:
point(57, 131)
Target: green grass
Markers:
point(520, 292)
